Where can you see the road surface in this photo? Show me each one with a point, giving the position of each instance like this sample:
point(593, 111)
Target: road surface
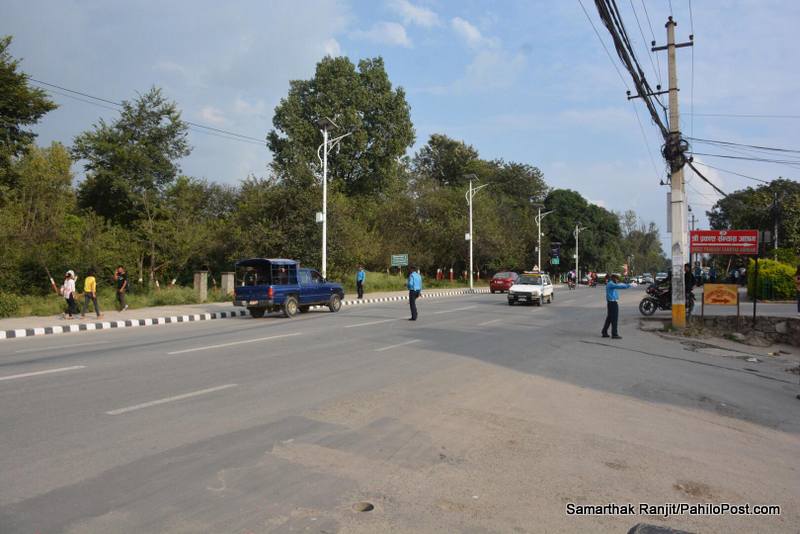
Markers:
point(479, 417)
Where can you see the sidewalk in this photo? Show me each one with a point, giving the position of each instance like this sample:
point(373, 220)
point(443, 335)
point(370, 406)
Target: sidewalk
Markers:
point(15, 327)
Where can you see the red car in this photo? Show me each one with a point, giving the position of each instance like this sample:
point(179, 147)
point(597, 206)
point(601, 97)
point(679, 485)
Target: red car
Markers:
point(503, 281)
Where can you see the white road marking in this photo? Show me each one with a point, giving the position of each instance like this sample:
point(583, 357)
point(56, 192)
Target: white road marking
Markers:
point(409, 342)
point(489, 322)
point(169, 399)
point(369, 323)
point(209, 347)
point(454, 310)
point(47, 372)
point(61, 346)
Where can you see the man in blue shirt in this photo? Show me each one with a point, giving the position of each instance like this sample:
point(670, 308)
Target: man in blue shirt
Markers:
point(361, 275)
point(612, 304)
point(414, 290)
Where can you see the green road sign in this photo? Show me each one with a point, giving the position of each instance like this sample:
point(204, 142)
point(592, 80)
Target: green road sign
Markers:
point(399, 260)
point(555, 261)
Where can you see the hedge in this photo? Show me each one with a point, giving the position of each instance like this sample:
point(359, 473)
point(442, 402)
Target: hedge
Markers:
point(775, 280)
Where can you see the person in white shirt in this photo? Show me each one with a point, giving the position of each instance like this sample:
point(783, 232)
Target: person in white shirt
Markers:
point(68, 292)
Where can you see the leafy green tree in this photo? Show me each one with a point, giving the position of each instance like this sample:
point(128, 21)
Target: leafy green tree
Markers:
point(756, 208)
point(130, 163)
point(361, 102)
point(21, 106)
point(35, 212)
point(446, 160)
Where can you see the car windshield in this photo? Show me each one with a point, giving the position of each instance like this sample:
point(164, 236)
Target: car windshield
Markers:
point(530, 280)
point(503, 275)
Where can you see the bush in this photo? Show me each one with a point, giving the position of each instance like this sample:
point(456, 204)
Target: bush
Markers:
point(775, 280)
point(9, 304)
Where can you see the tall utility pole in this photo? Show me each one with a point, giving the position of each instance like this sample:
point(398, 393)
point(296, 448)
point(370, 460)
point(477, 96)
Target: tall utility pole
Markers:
point(680, 241)
point(469, 196)
point(539, 217)
point(326, 146)
point(578, 230)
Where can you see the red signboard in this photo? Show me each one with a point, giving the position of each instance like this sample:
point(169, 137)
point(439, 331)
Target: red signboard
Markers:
point(724, 242)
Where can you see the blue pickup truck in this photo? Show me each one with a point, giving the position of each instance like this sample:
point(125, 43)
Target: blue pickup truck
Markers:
point(268, 285)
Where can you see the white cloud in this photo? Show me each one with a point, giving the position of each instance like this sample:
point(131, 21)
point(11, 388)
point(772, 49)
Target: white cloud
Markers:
point(471, 34)
point(243, 107)
point(494, 69)
point(213, 115)
point(411, 14)
point(332, 47)
point(390, 33)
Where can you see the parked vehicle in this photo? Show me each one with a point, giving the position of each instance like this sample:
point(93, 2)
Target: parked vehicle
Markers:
point(503, 281)
point(269, 285)
point(659, 297)
point(531, 288)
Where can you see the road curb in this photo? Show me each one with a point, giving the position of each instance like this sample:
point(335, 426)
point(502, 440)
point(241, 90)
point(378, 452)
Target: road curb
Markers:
point(134, 323)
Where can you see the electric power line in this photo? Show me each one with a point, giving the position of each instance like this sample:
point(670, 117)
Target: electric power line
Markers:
point(231, 135)
point(791, 163)
point(732, 172)
point(745, 116)
point(604, 45)
point(744, 145)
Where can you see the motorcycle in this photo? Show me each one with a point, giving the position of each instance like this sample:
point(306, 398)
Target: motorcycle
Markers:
point(571, 284)
point(660, 298)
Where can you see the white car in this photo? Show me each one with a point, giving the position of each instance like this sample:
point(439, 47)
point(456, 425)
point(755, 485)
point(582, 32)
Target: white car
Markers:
point(531, 288)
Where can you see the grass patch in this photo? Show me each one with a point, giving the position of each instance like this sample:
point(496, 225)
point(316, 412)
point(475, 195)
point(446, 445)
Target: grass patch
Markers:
point(380, 282)
point(42, 306)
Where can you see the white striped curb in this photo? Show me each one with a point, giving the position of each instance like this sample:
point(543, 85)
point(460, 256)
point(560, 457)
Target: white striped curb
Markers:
point(132, 323)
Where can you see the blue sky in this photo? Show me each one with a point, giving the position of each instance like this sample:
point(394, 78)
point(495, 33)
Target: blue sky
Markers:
point(519, 80)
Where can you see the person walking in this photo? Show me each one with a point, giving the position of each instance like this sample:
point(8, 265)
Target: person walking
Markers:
point(90, 293)
point(414, 291)
point(797, 287)
point(68, 292)
point(361, 275)
point(612, 305)
point(121, 278)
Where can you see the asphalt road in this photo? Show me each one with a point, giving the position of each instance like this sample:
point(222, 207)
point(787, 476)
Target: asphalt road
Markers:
point(193, 427)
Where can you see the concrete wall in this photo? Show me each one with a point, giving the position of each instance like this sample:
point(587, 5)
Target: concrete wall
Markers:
point(774, 329)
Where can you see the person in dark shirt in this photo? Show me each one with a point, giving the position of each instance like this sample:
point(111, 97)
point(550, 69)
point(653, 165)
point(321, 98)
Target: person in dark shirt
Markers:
point(121, 279)
point(688, 279)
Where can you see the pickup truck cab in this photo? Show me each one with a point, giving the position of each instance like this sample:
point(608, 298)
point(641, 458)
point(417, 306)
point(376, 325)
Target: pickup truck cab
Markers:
point(268, 285)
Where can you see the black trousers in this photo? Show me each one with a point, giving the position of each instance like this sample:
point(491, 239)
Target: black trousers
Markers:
point(87, 298)
point(360, 289)
point(612, 318)
point(412, 300)
point(72, 308)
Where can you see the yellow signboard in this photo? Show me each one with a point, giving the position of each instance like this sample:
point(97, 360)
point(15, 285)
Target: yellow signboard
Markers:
point(720, 294)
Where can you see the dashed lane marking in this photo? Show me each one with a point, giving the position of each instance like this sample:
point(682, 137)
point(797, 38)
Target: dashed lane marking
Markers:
point(47, 372)
point(209, 347)
point(409, 342)
point(169, 399)
point(369, 323)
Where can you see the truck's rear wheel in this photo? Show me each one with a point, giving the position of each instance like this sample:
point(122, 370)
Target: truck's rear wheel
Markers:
point(290, 307)
point(335, 304)
point(257, 312)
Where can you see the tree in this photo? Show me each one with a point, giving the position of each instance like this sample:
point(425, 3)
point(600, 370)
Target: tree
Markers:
point(445, 160)
point(21, 106)
point(756, 208)
point(130, 163)
point(361, 102)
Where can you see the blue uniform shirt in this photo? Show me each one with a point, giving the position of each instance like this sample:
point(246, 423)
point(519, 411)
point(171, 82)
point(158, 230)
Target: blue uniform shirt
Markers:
point(414, 282)
point(361, 275)
point(611, 291)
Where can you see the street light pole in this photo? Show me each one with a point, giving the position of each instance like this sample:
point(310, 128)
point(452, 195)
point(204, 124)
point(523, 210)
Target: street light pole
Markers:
point(539, 218)
point(469, 196)
point(326, 146)
point(578, 230)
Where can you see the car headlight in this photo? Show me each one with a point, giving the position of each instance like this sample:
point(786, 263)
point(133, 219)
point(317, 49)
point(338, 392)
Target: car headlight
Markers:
point(512, 292)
